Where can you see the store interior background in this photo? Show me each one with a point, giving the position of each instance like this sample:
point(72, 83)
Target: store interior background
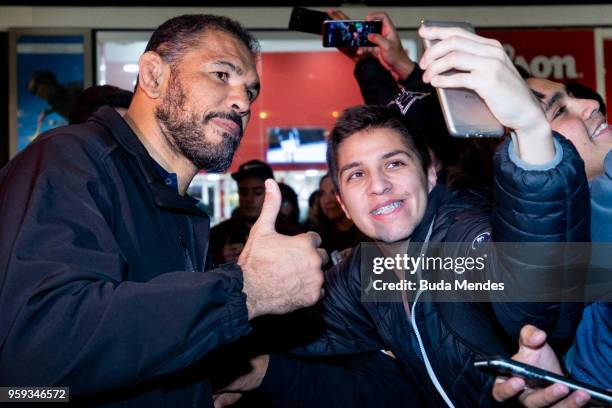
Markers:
point(304, 85)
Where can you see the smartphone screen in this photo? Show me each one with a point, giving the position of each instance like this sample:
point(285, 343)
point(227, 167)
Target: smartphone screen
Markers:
point(350, 33)
point(465, 113)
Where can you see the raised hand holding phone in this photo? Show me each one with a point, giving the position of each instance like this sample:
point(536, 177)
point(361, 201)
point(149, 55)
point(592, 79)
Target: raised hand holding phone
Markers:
point(390, 51)
point(483, 66)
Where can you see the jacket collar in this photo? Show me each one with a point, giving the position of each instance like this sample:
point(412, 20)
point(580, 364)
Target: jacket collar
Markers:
point(434, 199)
point(163, 195)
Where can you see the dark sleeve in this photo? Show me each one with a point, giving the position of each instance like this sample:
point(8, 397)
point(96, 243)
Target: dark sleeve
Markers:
point(68, 316)
point(366, 380)
point(377, 85)
point(347, 326)
point(541, 204)
point(218, 237)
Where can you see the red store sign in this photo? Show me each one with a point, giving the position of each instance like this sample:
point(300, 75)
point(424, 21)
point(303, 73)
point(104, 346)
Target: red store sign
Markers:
point(557, 54)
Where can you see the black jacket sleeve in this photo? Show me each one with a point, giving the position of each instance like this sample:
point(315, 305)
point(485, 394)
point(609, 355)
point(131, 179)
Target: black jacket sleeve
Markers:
point(367, 380)
point(68, 315)
point(377, 85)
point(544, 205)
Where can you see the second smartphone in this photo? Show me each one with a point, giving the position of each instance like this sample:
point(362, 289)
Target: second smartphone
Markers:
point(350, 33)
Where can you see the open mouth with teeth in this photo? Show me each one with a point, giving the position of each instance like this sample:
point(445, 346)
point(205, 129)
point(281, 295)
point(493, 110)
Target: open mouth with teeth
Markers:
point(388, 208)
point(601, 129)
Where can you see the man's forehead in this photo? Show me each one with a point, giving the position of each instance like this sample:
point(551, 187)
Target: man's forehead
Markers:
point(216, 45)
point(383, 139)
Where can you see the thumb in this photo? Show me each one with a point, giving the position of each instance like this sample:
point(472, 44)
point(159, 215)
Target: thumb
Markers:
point(531, 337)
point(224, 400)
point(271, 207)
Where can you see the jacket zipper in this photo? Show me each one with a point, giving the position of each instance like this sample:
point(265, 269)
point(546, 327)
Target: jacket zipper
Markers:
point(415, 328)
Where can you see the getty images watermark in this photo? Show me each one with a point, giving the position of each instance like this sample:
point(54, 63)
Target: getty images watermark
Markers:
point(486, 272)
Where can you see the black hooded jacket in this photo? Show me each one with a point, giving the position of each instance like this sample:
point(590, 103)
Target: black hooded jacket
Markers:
point(546, 205)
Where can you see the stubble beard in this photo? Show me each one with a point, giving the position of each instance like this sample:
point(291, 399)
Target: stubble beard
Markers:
point(185, 131)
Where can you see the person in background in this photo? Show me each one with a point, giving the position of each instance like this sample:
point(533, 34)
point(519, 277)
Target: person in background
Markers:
point(290, 208)
point(60, 97)
point(97, 96)
point(338, 232)
point(314, 212)
point(228, 238)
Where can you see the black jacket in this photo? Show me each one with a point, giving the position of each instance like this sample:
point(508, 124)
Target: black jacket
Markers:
point(530, 205)
point(102, 282)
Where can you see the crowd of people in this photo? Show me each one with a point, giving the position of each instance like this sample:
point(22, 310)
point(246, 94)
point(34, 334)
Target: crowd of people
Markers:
point(112, 282)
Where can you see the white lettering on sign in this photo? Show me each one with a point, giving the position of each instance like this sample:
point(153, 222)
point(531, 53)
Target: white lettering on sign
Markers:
point(542, 66)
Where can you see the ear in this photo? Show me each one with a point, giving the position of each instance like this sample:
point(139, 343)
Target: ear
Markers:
point(153, 72)
point(339, 199)
point(432, 178)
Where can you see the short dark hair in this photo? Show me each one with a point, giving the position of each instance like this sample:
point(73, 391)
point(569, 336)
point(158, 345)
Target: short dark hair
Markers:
point(175, 37)
point(364, 117)
point(95, 97)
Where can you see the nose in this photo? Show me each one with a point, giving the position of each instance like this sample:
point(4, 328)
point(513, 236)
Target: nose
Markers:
point(379, 183)
point(587, 107)
point(239, 100)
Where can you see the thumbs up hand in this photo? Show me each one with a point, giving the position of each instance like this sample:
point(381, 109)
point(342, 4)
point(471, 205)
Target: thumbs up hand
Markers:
point(280, 273)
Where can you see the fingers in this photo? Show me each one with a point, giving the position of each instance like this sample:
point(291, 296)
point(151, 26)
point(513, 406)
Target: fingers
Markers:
point(506, 389)
point(576, 399)
point(224, 400)
point(461, 45)
point(337, 14)
point(455, 81)
point(269, 211)
point(544, 397)
point(387, 23)
point(379, 40)
point(313, 237)
point(323, 255)
point(456, 60)
point(442, 33)
point(531, 337)
point(555, 395)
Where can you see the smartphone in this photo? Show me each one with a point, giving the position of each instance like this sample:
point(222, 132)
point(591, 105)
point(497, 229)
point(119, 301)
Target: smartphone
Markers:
point(307, 21)
point(537, 378)
point(350, 33)
point(465, 113)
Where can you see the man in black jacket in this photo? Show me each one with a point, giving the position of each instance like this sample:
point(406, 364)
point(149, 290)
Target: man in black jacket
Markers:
point(102, 255)
point(387, 186)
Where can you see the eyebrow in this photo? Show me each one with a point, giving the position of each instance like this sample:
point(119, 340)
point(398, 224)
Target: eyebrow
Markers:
point(385, 156)
point(231, 66)
point(557, 96)
point(395, 152)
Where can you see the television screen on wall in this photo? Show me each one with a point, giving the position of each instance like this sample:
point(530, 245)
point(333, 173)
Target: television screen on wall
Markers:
point(296, 145)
